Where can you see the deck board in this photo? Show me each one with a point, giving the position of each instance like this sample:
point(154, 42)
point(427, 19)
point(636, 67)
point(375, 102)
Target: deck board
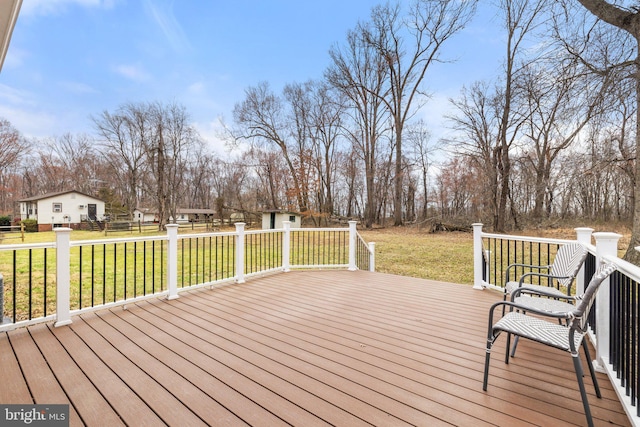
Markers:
point(301, 348)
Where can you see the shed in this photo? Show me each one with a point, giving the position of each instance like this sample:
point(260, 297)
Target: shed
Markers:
point(274, 219)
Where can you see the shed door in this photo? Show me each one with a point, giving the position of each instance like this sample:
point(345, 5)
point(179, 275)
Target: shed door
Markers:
point(92, 210)
point(272, 225)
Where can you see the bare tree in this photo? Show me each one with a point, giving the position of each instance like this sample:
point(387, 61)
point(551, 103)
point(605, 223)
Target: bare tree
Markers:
point(492, 119)
point(262, 118)
point(477, 124)
point(626, 19)
point(12, 146)
point(358, 72)
point(408, 48)
point(326, 121)
point(421, 151)
point(169, 150)
point(124, 135)
point(560, 100)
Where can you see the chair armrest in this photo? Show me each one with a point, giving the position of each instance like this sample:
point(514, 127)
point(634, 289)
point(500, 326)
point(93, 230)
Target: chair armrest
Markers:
point(539, 267)
point(514, 306)
point(517, 292)
point(548, 276)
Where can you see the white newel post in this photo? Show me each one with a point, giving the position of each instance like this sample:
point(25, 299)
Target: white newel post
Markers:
point(477, 256)
point(372, 256)
point(63, 276)
point(172, 260)
point(240, 252)
point(352, 245)
point(286, 246)
point(583, 235)
point(606, 245)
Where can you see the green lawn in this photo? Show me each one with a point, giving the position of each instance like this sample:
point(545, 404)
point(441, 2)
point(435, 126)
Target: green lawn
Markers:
point(446, 257)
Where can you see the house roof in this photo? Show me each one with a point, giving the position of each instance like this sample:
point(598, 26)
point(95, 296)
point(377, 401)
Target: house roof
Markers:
point(180, 211)
point(196, 211)
point(281, 211)
point(9, 10)
point(59, 193)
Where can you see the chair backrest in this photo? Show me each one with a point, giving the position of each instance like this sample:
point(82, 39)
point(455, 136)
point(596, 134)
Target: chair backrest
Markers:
point(586, 300)
point(568, 261)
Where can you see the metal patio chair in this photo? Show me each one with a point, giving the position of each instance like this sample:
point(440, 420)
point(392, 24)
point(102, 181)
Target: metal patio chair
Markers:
point(560, 274)
point(567, 337)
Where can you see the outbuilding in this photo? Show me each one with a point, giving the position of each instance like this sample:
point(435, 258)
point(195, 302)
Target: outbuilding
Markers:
point(274, 219)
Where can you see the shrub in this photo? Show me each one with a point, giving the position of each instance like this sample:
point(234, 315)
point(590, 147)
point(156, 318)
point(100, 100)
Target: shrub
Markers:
point(30, 225)
point(5, 221)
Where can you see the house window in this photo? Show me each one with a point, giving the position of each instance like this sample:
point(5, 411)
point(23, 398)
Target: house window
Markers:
point(57, 207)
point(292, 218)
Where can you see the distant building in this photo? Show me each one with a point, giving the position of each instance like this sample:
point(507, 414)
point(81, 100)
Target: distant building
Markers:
point(273, 219)
point(184, 215)
point(63, 209)
point(145, 215)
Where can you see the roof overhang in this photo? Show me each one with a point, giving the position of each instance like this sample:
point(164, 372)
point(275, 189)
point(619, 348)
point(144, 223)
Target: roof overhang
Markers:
point(9, 10)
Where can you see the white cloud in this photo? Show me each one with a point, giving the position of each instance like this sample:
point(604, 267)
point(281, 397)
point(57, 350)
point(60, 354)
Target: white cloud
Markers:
point(15, 57)
point(211, 132)
point(162, 14)
point(196, 88)
point(10, 95)
point(77, 88)
point(132, 72)
point(32, 124)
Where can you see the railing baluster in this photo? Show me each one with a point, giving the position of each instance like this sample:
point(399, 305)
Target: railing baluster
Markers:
point(44, 285)
point(79, 279)
point(125, 270)
point(135, 269)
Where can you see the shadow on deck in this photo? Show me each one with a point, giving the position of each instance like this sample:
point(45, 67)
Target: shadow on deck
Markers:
point(303, 348)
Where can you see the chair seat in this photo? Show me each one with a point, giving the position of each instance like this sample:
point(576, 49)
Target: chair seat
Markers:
point(512, 286)
point(551, 334)
point(545, 304)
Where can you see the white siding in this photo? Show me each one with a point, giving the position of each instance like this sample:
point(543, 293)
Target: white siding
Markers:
point(69, 208)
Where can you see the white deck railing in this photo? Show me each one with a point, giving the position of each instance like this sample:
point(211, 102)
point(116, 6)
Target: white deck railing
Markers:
point(242, 254)
point(488, 264)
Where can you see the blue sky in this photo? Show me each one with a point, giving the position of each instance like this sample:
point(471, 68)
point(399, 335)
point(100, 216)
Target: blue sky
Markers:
point(71, 59)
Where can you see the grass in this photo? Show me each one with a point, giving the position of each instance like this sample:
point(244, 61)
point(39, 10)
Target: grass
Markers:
point(446, 257)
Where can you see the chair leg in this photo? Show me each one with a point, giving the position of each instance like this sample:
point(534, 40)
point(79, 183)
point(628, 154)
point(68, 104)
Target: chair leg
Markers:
point(506, 357)
point(504, 298)
point(583, 393)
point(514, 346)
point(592, 370)
point(486, 367)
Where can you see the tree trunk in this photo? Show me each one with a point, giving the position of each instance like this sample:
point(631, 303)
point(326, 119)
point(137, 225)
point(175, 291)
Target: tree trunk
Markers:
point(632, 255)
point(398, 178)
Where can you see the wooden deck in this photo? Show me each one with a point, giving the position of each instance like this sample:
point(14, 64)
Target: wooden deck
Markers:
point(304, 348)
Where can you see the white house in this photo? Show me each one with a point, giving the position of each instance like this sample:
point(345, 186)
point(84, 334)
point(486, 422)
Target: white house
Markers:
point(274, 219)
point(63, 209)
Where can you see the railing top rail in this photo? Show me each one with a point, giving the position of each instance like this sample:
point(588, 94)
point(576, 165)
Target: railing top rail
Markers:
point(118, 240)
point(527, 238)
point(625, 267)
point(198, 235)
point(269, 231)
point(320, 229)
point(19, 246)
